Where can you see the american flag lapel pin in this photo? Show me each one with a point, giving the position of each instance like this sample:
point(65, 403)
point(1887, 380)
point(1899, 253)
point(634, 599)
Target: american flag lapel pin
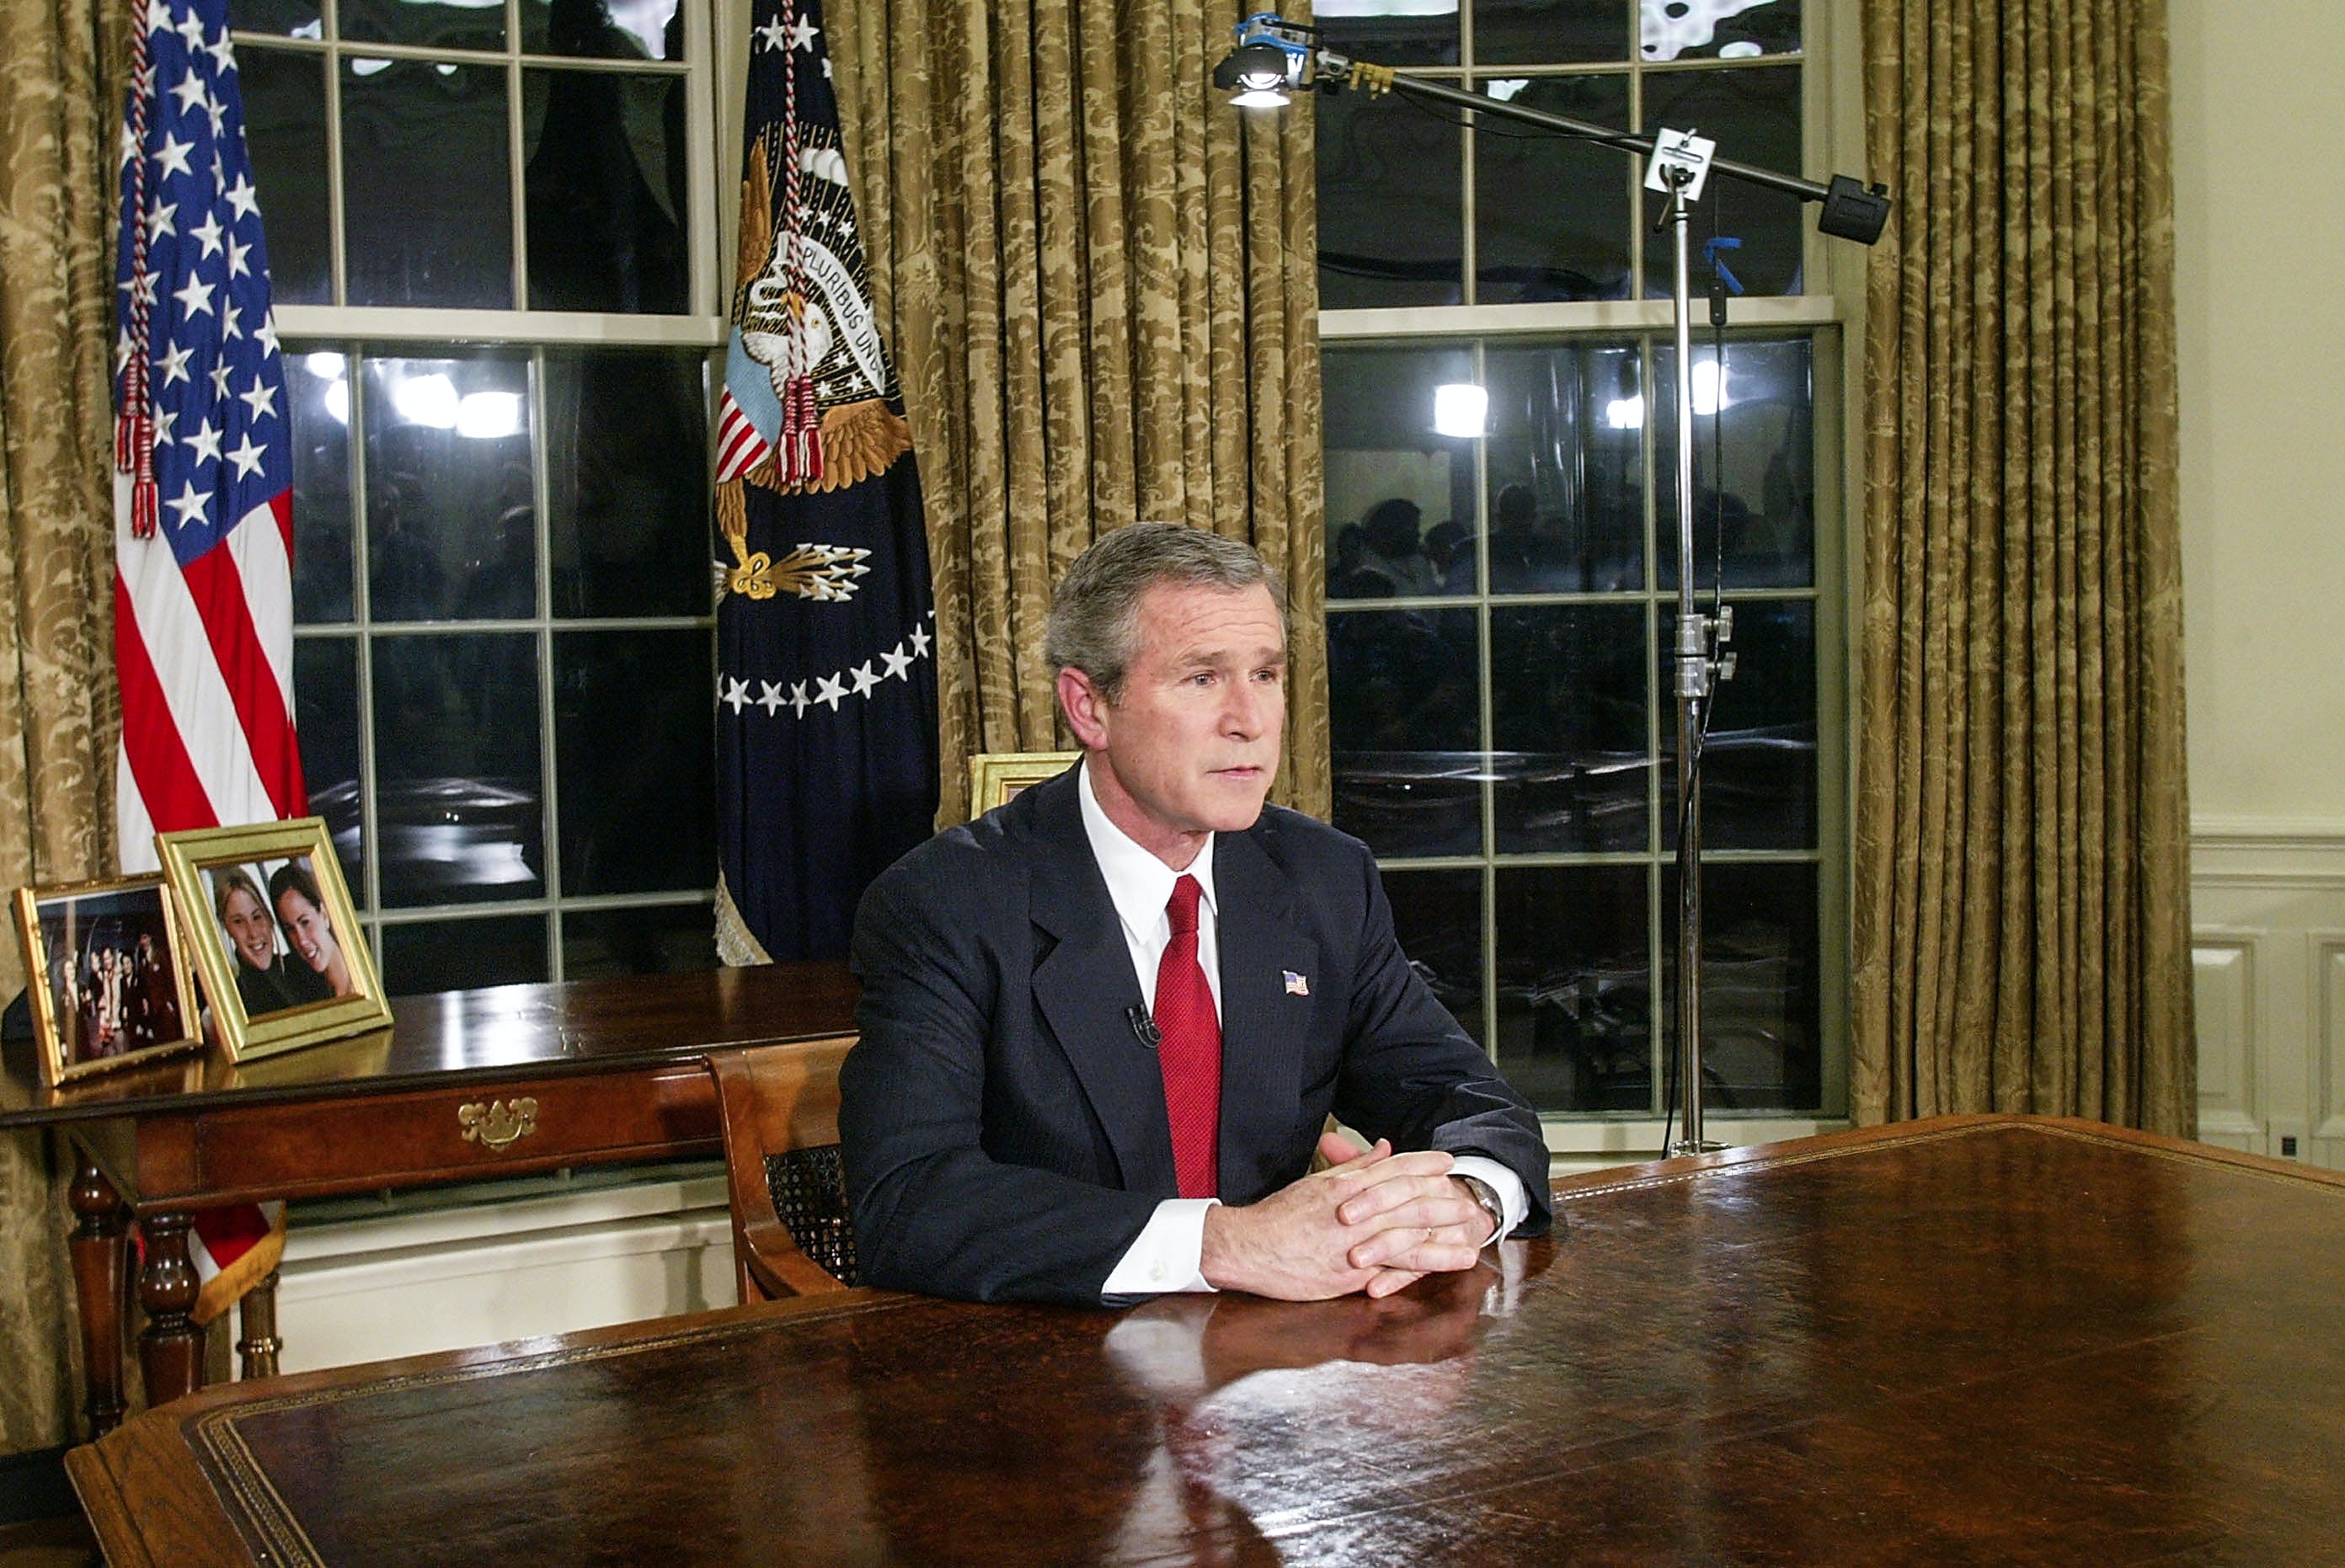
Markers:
point(1296, 985)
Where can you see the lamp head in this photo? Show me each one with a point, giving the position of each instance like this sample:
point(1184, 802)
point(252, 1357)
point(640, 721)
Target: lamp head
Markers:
point(1255, 75)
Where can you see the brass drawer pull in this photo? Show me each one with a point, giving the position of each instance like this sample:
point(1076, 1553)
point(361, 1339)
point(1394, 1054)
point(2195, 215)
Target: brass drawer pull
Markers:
point(498, 1125)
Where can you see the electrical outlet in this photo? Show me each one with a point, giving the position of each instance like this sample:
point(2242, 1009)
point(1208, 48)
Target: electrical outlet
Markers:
point(2288, 1147)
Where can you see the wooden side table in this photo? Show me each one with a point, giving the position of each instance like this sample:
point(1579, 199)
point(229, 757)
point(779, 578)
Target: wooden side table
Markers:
point(507, 1080)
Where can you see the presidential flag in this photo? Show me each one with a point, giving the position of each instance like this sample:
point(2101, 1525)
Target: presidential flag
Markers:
point(203, 584)
point(826, 733)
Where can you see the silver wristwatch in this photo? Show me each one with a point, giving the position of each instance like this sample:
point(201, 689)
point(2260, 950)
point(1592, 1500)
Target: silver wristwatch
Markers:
point(1488, 1199)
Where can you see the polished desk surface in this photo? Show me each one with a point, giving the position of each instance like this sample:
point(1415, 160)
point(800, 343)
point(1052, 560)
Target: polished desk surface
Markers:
point(444, 1039)
point(1976, 1340)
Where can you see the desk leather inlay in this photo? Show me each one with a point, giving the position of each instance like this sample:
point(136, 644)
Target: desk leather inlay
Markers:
point(2007, 1342)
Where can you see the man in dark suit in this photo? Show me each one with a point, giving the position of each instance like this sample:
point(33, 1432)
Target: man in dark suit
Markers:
point(1103, 1026)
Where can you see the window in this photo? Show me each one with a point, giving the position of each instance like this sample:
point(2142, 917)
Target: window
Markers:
point(1500, 604)
point(491, 232)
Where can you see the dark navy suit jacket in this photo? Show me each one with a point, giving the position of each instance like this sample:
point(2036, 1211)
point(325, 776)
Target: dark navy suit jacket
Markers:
point(1003, 1123)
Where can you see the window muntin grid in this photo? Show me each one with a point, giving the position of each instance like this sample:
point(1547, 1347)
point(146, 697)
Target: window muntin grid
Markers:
point(548, 631)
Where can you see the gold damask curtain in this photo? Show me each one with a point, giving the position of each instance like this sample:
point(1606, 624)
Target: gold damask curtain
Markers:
point(1100, 284)
point(2022, 833)
point(61, 66)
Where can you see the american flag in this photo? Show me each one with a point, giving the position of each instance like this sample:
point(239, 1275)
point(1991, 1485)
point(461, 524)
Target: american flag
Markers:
point(204, 523)
point(203, 583)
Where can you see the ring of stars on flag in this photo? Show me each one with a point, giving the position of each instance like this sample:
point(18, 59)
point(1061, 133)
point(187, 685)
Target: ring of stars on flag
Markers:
point(830, 690)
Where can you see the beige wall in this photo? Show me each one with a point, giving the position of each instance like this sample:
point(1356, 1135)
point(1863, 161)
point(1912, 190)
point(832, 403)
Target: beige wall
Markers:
point(2259, 165)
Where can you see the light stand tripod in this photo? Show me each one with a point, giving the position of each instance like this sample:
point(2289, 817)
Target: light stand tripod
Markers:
point(1273, 56)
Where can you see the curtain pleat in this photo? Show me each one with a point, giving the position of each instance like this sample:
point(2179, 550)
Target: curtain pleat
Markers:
point(1101, 285)
point(2021, 843)
point(61, 83)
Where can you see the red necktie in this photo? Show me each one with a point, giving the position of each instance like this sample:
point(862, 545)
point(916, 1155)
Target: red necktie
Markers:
point(1190, 1052)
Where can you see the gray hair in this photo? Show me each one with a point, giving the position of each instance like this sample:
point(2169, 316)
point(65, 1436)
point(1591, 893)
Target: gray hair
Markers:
point(1095, 612)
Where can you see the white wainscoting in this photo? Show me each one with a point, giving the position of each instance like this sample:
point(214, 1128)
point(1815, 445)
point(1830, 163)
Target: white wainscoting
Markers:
point(2267, 958)
point(421, 1279)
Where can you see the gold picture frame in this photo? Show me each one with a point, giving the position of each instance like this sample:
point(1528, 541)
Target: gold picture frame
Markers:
point(273, 891)
point(107, 976)
point(995, 776)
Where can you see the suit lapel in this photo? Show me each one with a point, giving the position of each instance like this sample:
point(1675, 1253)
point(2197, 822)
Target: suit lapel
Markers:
point(1086, 988)
point(1263, 1023)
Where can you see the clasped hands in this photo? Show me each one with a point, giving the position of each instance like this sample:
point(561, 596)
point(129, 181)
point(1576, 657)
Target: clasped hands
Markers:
point(1374, 1222)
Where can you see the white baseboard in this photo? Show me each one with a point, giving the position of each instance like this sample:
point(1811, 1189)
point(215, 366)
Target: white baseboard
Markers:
point(409, 1283)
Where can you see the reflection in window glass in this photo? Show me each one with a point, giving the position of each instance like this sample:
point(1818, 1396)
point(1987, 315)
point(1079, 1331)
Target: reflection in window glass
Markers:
point(1758, 765)
point(287, 18)
point(1400, 497)
point(1437, 917)
point(1753, 464)
point(1405, 728)
point(449, 955)
point(451, 513)
point(662, 938)
point(1575, 986)
point(1549, 32)
point(1754, 116)
point(439, 24)
point(317, 383)
point(427, 212)
point(326, 716)
point(1565, 468)
point(1388, 34)
point(285, 131)
point(634, 758)
point(458, 797)
point(1761, 1038)
point(627, 480)
point(1567, 703)
point(1552, 215)
point(603, 29)
point(604, 184)
point(1716, 29)
point(1391, 224)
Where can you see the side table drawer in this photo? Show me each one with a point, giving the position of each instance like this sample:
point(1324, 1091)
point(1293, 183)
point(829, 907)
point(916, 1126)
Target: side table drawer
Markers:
point(449, 1134)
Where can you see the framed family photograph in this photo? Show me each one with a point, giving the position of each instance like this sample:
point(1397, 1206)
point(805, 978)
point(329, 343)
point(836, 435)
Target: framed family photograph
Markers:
point(283, 960)
point(107, 975)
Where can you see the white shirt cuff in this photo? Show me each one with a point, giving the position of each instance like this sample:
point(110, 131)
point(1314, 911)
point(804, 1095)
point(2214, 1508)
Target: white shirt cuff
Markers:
point(1513, 1201)
point(1165, 1256)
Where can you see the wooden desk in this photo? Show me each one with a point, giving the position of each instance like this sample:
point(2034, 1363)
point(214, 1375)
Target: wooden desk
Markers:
point(608, 1071)
point(1977, 1341)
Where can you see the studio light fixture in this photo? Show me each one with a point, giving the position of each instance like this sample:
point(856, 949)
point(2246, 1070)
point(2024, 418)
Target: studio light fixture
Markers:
point(1460, 409)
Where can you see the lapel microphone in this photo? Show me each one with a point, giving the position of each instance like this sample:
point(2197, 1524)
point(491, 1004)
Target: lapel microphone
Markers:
point(1143, 1028)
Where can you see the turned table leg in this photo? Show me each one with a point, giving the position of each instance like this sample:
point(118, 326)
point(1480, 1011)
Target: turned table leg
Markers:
point(256, 1314)
point(97, 1244)
point(171, 1351)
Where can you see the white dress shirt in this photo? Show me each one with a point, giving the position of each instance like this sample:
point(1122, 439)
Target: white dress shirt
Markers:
point(1164, 1256)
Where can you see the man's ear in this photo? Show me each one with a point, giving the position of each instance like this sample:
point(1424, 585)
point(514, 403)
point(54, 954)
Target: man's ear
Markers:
point(1085, 708)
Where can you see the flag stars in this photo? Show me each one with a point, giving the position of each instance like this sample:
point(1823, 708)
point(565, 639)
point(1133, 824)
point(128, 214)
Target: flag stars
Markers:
point(770, 698)
point(207, 233)
point(163, 419)
point(190, 503)
point(231, 322)
point(171, 157)
point(800, 700)
point(236, 254)
point(262, 400)
point(174, 364)
point(205, 444)
point(220, 374)
point(197, 298)
point(190, 28)
point(267, 336)
point(899, 662)
point(864, 679)
point(218, 111)
point(920, 642)
point(772, 37)
point(162, 220)
point(736, 694)
point(189, 90)
point(803, 34)
point(241, 198)
point(247, 457)
point(830, 690)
